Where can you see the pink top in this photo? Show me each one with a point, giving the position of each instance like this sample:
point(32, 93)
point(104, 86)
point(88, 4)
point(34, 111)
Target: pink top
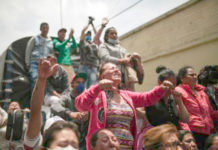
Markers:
point(201, 114)
point(94, 100)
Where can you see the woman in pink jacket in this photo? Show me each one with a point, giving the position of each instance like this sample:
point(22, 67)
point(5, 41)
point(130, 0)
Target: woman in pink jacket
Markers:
point(114, 109)
point(201, 114)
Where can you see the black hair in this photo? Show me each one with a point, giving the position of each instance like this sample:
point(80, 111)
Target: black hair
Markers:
point(89, 32)
point(164, 73)
point(160, 68)
point(182, 133)
point(209, 141)
point(49, 134)
point(183, 71)
point(42, 24)
point(208, 75)
point(106, 33)
point(94, 137)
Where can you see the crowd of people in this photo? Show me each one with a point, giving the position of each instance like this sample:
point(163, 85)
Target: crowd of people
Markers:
point(96, 106)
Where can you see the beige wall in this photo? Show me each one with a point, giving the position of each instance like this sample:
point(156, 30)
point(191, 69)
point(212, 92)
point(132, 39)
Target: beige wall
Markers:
point(187, 35)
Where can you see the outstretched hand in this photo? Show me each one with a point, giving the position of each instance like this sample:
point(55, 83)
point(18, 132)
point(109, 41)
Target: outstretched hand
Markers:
point(71, 33)
point(45, 69)
point(104, 22)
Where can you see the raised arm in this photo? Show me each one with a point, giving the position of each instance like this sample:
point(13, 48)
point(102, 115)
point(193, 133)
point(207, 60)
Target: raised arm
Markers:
point(98, 34)
point(93, 27)
point(85, 100)
point(44, 71)
point(82, 37)
point(151, 97)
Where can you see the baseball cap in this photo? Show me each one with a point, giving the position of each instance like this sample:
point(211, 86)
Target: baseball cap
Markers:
point(81, 75)
point(62, 29)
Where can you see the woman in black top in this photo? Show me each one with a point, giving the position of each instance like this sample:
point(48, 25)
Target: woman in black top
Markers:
point(169, 109)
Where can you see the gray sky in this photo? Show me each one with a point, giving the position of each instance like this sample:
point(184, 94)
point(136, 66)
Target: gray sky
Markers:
point(21, 18)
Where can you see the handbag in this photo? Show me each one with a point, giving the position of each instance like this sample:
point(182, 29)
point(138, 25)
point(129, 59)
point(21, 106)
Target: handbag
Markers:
point(130, 75)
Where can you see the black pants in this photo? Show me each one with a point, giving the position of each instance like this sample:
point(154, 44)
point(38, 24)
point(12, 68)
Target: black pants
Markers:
point(200, 139)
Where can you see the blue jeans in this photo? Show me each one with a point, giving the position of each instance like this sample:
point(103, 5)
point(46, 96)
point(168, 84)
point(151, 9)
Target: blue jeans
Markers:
point(33, 72)
point(92, 74)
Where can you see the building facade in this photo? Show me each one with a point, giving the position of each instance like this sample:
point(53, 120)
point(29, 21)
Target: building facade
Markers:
point(186, 35)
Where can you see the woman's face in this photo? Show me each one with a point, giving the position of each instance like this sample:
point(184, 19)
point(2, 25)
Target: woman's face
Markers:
point(189, 142)
point(214, 145)
point(172, 79)
point(112, 34)
point(190, 77)
point(111, 72)
point(106, 141)
point(170, 142)
point(65, 138)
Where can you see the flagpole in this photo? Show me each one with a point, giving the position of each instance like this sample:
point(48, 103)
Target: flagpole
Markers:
point(61, 20)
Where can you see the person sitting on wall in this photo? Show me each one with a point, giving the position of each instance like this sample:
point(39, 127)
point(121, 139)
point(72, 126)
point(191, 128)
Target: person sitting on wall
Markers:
point(40, 46)
point(89, 60)
point(65, 48)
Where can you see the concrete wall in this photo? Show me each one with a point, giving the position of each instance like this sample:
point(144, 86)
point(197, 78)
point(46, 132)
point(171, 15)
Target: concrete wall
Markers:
point(187, 35)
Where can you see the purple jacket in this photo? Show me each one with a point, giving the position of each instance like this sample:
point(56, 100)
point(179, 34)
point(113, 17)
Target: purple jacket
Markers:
point(94, 100)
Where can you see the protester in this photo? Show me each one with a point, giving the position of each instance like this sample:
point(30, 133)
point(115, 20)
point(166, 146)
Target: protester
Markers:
point(188, 141)
point(170, 107)
point(201, 114)
point(162, 137)
point(61, 135)
point(89, 61)
point(58, 85)
point(65, 48)
point(114, 109)
point(104, 139)
point(112, 51)
point(13, 127)
point(39, 46)
point(208, 77)
point(66, 108)
point(212, 142)
point(14, 105)
point(57, 135)
point(98, 34)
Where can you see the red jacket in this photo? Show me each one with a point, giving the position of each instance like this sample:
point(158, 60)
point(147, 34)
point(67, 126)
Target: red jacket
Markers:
point(94, 100)
point(201, 114)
